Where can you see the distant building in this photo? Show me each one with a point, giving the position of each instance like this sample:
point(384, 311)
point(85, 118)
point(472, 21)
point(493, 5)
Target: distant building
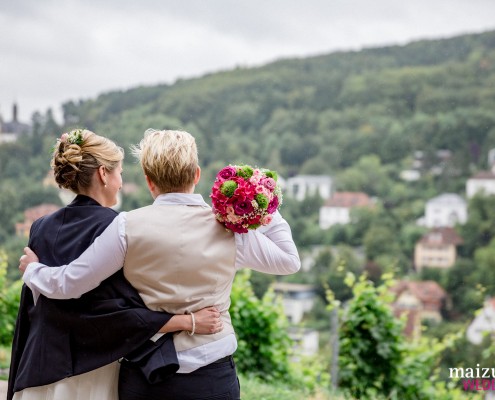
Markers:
point(448, 209)
point(306, 341)
point(437, 248)
point(482, 182)
point(337, 209)
point(410, 175)
point(483, 323)
point(418, 301)
point(10, 131)
point(301, 186)
point(32, 214)
point(297, 299)
point(491, 158)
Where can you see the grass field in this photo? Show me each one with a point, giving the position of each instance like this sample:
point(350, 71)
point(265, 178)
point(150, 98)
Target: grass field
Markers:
point(251, 389)
point(255, 389)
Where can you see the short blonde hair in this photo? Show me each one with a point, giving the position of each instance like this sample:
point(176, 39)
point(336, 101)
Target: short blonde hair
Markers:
point(75, 162)
point(168, 158)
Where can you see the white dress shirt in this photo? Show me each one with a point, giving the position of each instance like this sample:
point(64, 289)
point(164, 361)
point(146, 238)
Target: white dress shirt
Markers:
point(269, 249)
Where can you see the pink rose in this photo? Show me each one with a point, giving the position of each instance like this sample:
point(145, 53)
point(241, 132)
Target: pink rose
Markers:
point(227, 173)
point(269, 183)
point(243, 207)
point(267, 219)
point(272, 206)
point(255, 179)
point(260, 189)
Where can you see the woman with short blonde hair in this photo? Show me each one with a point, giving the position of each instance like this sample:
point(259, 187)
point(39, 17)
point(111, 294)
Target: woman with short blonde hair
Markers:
point(168, 158)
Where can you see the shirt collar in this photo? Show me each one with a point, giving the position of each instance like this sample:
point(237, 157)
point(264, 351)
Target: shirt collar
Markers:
point(185, 199)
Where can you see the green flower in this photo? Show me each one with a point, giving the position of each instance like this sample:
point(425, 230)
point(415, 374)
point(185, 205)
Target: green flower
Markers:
point(228, 188)
point(245, 172)
point(272, 174)
point(262, 200)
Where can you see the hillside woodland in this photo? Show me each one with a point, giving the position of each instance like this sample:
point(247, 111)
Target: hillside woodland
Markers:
point(359, 117)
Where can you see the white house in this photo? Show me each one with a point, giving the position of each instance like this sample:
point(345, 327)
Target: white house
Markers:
point(305, 341)
point(297, 299)
point(483, 182)
point(301, 186)
point(410, 175)
point(448, 209)
point(483, 323)
point(337, 209)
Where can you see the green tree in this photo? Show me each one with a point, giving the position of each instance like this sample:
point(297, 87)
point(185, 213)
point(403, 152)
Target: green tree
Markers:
point(261, 327)
point(376, 362)
point(480, 226)
point(10, 294)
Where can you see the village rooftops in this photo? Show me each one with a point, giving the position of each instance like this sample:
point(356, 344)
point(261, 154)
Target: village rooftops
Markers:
point(430, 293)
point(483, 175)
point(441, 236)
point(348, 200)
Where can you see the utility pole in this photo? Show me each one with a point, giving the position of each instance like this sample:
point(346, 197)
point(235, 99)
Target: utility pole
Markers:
point(334, 345)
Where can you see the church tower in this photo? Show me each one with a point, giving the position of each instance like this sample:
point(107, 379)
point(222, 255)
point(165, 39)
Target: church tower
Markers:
point(14, 112)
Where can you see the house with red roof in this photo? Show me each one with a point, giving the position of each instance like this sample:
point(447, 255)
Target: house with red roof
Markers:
point(418, 301)
point(31, 215)
point(337, 209)
point(437, 248)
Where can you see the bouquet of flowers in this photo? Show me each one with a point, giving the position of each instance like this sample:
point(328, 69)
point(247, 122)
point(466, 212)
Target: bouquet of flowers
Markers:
point(244, 197)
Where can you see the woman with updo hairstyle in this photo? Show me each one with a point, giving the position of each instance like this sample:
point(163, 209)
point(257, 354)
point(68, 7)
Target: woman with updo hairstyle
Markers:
point(69, 349)
point(82, 159)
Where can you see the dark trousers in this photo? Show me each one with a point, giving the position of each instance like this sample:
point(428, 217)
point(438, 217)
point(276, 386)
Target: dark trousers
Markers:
point(217, 381)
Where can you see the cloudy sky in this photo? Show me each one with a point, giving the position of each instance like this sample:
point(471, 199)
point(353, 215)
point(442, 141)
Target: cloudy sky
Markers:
point(53, 51)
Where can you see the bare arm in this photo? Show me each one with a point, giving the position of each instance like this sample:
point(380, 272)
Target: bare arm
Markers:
point(206, 321)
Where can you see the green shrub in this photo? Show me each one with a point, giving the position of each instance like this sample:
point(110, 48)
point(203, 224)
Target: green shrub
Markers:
point(256, 389)
point(377, 361)
point(9, 302)
point(262, 332)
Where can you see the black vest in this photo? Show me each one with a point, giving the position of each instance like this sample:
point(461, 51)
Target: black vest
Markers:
point(60, 338)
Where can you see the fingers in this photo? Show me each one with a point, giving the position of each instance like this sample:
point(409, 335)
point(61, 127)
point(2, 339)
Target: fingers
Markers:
point(217, 327)
point(28, 252)
point(208, 321)
point(23, 264)
point(28, 257)
point(214, 310)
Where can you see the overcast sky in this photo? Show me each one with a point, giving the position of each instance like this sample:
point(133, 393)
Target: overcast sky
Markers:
point(53, 51)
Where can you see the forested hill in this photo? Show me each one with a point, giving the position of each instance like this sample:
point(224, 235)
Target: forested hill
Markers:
point(321, 114)
point(358, 116)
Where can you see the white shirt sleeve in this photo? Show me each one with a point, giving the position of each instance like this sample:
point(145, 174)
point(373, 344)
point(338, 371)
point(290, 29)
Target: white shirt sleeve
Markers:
point(269, 249)
point(99, 261)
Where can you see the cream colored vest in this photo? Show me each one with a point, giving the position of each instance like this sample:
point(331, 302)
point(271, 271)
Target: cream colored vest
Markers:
point(180, 259)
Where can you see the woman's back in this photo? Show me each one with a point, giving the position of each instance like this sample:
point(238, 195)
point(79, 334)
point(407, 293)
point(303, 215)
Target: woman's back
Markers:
point(56, 339)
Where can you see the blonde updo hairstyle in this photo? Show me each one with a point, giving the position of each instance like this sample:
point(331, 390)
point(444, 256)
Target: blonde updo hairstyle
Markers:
point(168, 158)
point(78, 155)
